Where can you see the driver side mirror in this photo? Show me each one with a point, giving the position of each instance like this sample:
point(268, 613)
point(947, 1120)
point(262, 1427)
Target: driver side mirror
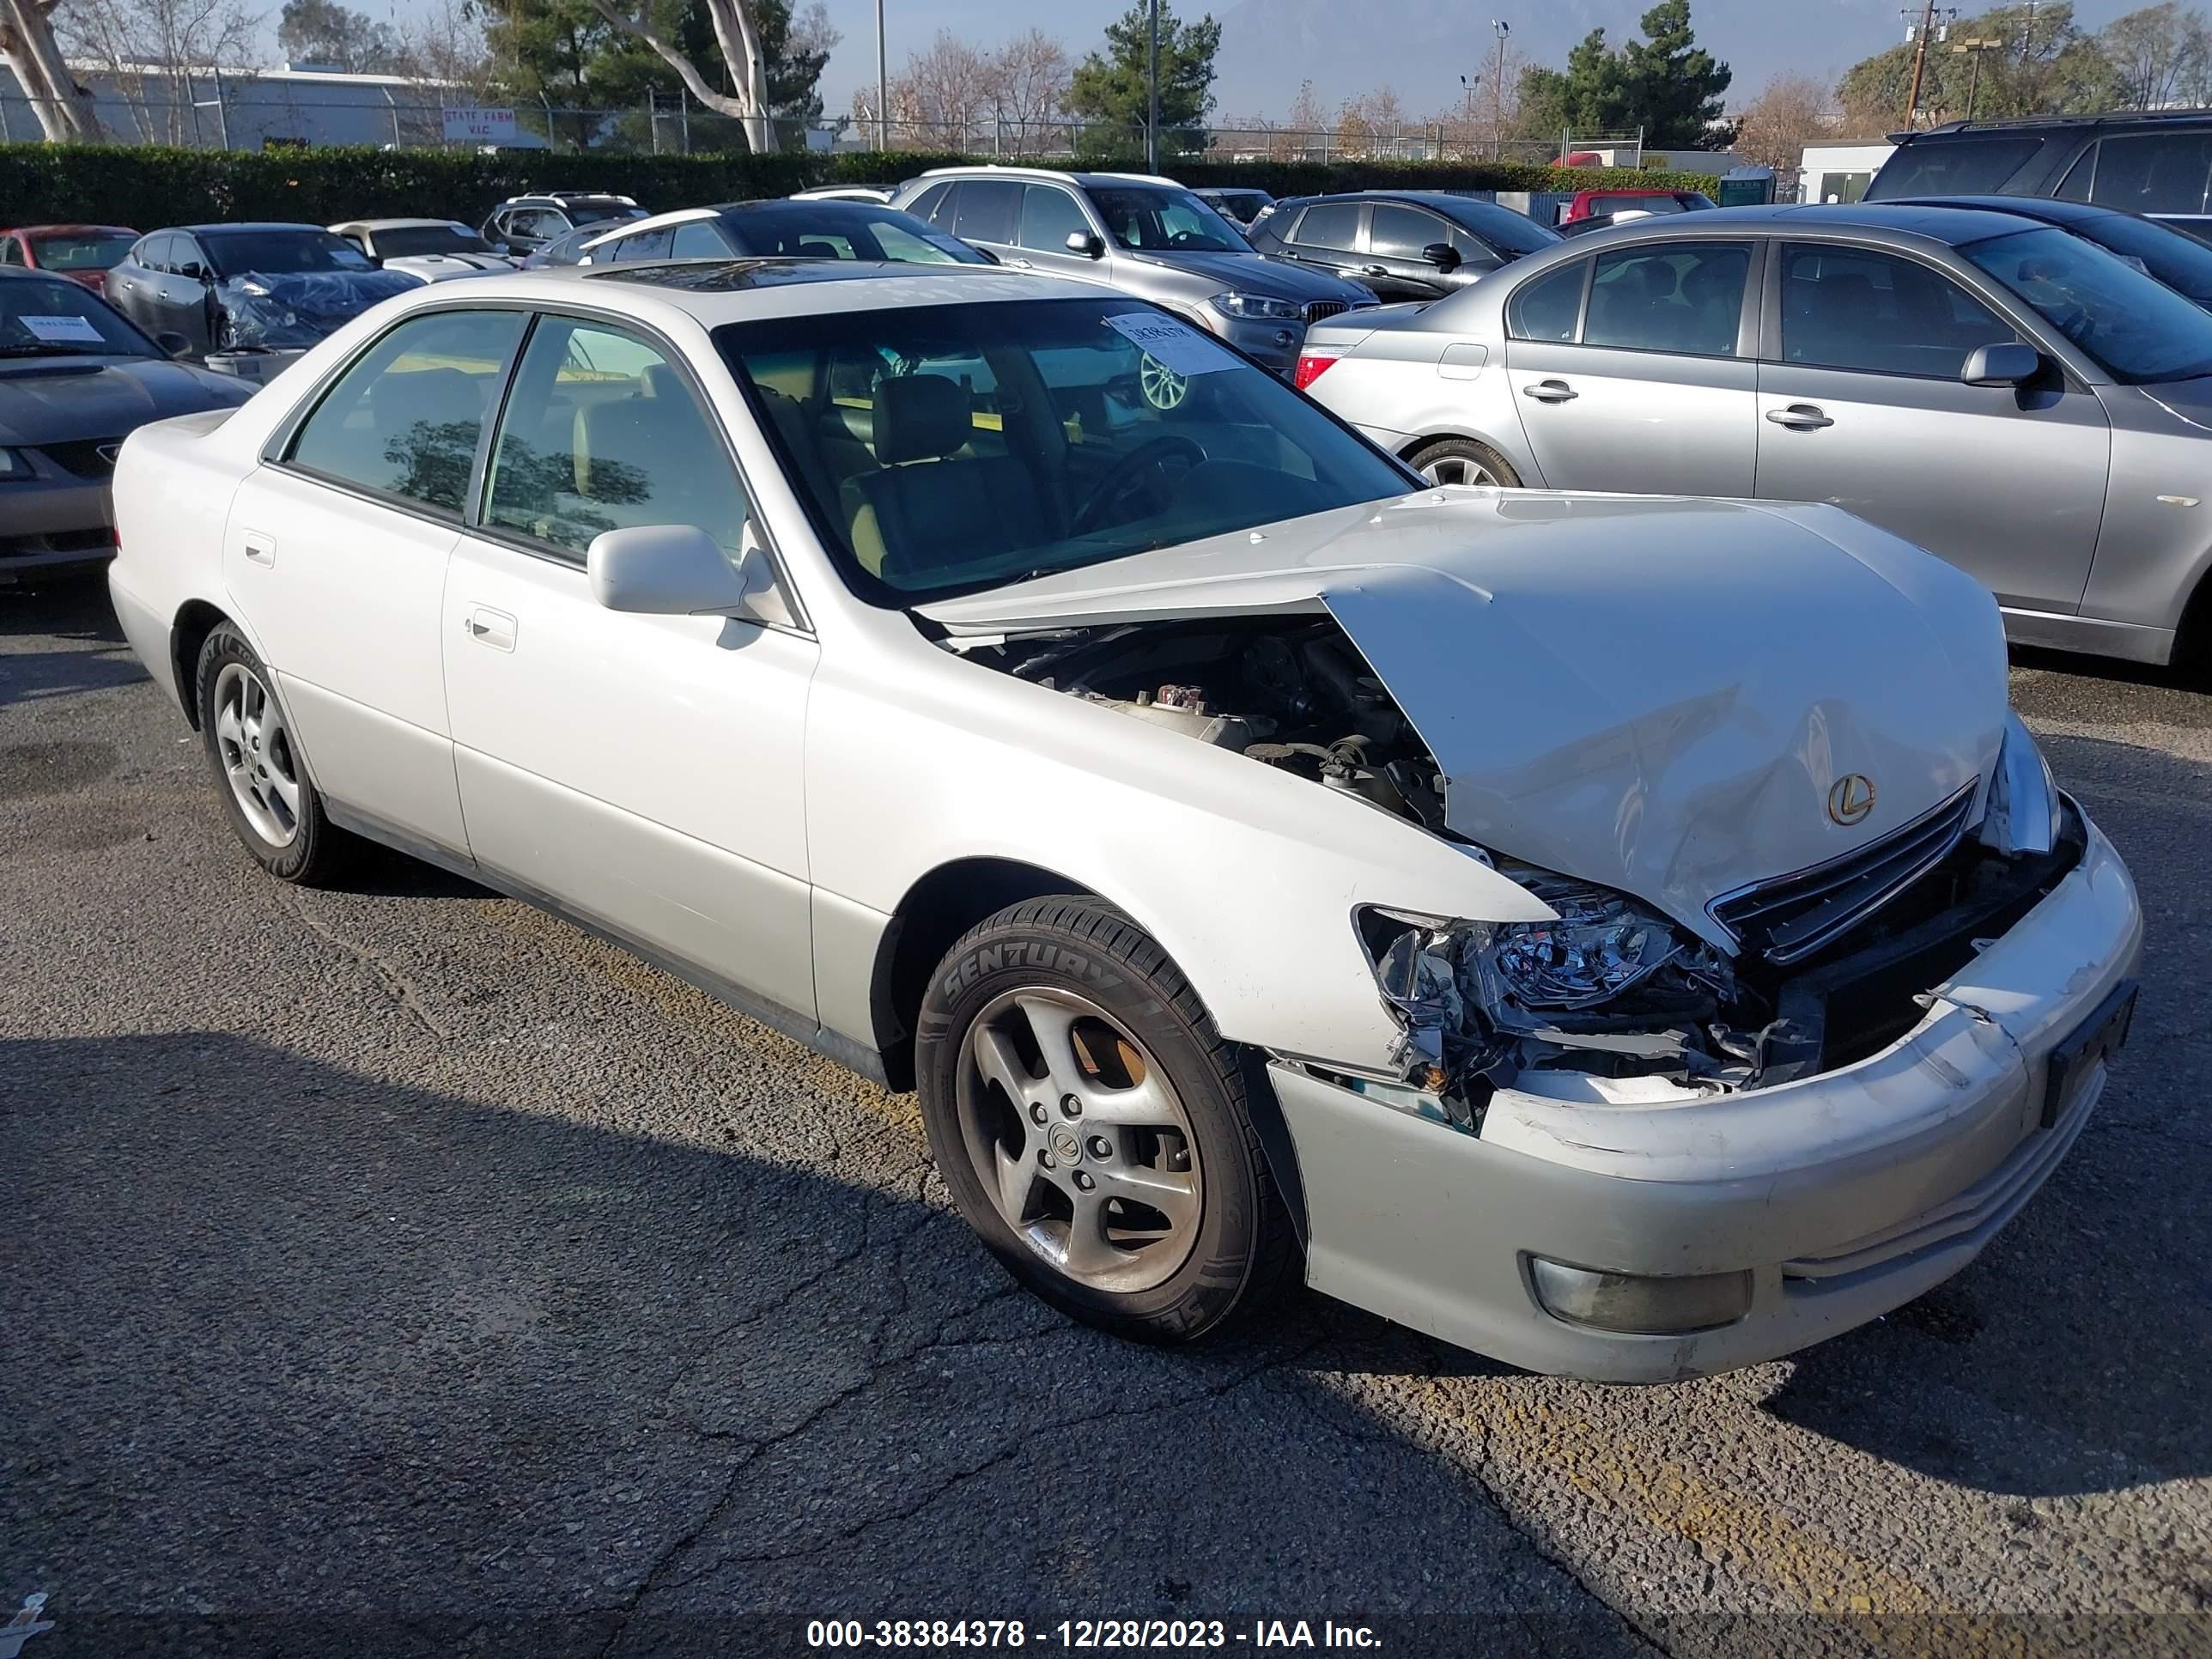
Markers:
point(193, 272)
point(680, 570)
point(1083, 242)
point(2011, 363)
point(173, 342)
point(1442, 255)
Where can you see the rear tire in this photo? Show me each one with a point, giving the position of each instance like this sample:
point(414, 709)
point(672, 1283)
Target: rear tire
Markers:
point(260, 771)
point(1463, 461)
point(1092, 1125)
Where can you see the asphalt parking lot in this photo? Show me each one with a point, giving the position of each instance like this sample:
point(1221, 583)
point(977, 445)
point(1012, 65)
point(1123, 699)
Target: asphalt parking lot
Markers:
point(394, 1270)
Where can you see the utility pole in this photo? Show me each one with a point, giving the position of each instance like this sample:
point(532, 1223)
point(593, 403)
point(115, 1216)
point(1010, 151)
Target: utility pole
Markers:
point(882, 101)
point(1498, 93)
point(1919, 37)
point(1153, 84)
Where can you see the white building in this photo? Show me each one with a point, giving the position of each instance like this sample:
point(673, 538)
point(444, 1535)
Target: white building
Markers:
point(1839, 172)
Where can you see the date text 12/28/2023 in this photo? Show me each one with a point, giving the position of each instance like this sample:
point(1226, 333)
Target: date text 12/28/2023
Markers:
point(947, 1634)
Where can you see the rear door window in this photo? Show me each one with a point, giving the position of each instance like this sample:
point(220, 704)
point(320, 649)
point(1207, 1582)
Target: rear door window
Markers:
point(1330, 225)
point(1951, 167)
point(2154, 173)
point(1680, 297)
point(404, 419)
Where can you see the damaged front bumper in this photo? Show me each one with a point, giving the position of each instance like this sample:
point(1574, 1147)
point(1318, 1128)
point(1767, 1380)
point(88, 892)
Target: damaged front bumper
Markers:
point(1811, 1206)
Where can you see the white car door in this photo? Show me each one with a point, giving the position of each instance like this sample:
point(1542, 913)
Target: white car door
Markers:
point(335, 552)
point(643, 773)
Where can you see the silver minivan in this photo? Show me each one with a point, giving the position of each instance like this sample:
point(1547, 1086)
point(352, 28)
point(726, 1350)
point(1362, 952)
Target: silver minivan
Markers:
point(1144, 235)
point(2012, 398)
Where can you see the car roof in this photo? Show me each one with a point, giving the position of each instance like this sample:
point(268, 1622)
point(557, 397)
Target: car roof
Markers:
point(2046, 209)
point(63, 230)
point(1954, 225)
point(1049, 175)
point(240, 224)
point(2040, 125)
point(396, 224)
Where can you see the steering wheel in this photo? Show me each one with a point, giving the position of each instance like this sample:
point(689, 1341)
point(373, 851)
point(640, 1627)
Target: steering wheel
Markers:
point(1126, 472)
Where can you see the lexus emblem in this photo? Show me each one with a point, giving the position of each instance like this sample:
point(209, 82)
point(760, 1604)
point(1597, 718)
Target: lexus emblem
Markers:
point(1851, 798)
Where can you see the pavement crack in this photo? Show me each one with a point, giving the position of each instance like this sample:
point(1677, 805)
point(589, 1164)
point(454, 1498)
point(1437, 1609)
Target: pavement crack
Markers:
point(402, 989)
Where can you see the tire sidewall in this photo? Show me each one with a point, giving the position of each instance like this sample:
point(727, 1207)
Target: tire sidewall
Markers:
point(291, 862)
point(1471, 449)
point(1208, 1285)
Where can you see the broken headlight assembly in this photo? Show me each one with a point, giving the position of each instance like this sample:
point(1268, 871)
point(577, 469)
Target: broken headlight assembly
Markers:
point(2025, 816)
point(1604, 984)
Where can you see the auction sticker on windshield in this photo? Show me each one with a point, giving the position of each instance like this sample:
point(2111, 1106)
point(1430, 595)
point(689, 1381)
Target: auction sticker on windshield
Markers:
point(63, 331)
point(1169, 343)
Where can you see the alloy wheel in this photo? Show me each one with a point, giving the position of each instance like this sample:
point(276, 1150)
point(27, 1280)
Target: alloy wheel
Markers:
point(1079, 1140)
point(1458, 469)
point(255, 750)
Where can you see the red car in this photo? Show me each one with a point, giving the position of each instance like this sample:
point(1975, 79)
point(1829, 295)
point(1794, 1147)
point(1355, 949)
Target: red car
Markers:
point(83, 253)
point(1591, 208)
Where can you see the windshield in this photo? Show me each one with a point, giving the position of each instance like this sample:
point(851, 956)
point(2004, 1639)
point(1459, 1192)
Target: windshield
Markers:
point(845, 230)
point(82, 250)
point(412, 239)
point(1159, 218)
point(52, 317)
point(1502, 227)
point(2138, 331)
point(597, 211)
point(943, 449)
point(2175, 258)
point(281, 252)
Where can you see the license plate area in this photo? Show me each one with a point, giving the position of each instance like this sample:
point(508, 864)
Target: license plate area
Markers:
point(2100, 1035)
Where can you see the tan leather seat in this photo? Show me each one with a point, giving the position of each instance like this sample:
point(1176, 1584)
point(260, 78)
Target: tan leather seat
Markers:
point(927, 507)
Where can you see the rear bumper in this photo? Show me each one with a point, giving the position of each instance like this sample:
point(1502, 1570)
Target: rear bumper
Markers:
point(1843, 1194)
point(147, 631)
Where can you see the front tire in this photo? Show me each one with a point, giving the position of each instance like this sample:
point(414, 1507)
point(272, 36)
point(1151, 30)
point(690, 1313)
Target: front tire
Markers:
point(1463, 461)
point(1092, 1125)
point(259, 769)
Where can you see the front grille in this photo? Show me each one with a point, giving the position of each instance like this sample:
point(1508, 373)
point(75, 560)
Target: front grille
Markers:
point(1320, 308)
point(82, 456)
point(1790, 917)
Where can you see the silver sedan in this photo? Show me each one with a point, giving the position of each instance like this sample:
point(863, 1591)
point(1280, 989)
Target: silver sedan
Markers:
point(2013, 398)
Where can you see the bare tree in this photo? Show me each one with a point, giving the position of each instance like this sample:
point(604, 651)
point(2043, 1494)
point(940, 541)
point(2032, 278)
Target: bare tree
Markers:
point(2158, 53)
point(1024, 80)
point(736, 32)
point(445, 45)
point(150, 50)
point(942, 93)
point(1790, 112)
point(27, 46)
point(1309, 115)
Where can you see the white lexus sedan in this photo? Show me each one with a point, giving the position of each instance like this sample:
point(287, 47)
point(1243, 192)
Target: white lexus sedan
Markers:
point(1629, 936)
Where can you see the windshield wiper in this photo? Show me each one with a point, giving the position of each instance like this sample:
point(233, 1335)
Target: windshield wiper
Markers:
point(47, 348)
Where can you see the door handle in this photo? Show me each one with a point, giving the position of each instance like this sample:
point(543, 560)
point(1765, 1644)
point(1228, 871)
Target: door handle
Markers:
point(1550, 392)
point(260, 549)
point(1799, 418)
point(1021, 264)
point(488, 627)
point(1374, 271)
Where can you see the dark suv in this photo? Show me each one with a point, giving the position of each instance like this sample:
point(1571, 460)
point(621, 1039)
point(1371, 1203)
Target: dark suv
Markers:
point(2158, 164)
point(1405, 245)
point(523, 224)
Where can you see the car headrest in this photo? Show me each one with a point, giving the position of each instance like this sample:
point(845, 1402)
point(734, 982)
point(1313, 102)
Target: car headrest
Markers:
point(921, 417)
point(662, 381)
point(629, 448)
point(790, 373)
point(398, 403)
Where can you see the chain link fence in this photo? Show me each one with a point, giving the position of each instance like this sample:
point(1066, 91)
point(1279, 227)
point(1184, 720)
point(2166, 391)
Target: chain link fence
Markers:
point(275, 110)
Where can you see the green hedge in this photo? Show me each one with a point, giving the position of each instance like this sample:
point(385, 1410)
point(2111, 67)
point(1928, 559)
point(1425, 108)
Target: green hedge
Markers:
point(147, 187)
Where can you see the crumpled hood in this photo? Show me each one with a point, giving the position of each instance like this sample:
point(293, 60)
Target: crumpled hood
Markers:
point(298, 308)
point(50, 400)
point(1254, 273)
point(1655, 694)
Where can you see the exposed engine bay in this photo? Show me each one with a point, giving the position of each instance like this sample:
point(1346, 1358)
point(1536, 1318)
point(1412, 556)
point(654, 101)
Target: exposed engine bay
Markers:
point(1605, 1002)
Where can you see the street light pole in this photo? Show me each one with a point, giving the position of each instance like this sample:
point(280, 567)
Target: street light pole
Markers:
point(1153, 84)
point(882, 102)
point(1498, 93)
